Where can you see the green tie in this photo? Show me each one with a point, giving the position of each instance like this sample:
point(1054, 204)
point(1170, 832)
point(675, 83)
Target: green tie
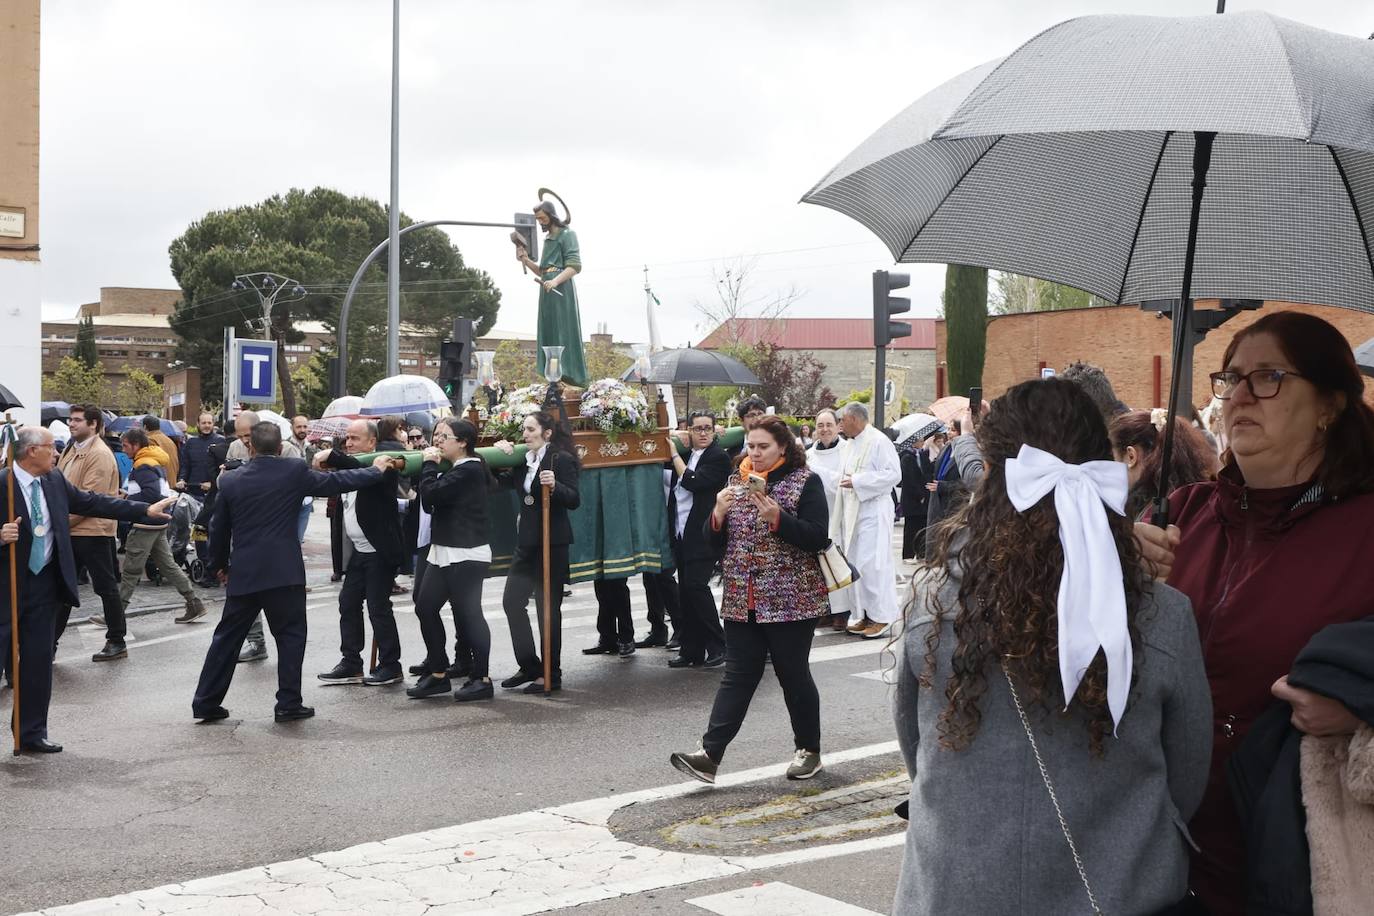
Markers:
point(39, 534)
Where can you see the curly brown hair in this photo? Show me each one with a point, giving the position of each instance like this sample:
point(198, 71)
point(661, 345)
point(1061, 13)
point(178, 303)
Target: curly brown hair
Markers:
point(1192, 458)
point(1011, 564)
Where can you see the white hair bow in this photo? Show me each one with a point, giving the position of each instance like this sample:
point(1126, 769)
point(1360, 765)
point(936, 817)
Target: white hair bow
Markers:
point(1092, 596)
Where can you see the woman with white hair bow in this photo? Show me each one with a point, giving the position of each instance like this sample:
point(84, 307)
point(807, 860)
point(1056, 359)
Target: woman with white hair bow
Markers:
point(1051, 701)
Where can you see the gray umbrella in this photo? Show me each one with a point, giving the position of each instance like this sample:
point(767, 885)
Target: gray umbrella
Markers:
point(694, 367)
point(1083, 156)
point(1364, 357)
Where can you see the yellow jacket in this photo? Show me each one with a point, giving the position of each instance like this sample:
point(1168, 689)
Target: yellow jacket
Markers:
point(91, 467)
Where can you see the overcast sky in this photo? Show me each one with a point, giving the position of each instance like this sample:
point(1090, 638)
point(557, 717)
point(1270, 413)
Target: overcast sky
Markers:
point(681, 135)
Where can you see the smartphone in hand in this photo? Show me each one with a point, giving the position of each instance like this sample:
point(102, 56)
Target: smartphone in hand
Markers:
point(757, 483)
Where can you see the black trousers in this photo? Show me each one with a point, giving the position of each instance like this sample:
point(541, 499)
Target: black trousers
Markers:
point(96, 554)
point(614, 620)
point(38, 609)
point(526, 578)
point(700, 623)
point(336, 534)
point(285, 611)
point(461, 653)
point(660, 591)
point(747, 646)
point(460, 585)
point(368, 578)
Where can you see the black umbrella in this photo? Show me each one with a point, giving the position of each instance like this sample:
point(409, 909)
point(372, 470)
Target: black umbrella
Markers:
point(7, 399)
point(1364, 356)
point(55, 410)
point(691, 366)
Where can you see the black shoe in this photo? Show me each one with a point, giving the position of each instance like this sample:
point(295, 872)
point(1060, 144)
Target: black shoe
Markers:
point(253, 652)
point(387, 674)
point(112, 651)
point(627, 649)
point(430, 686)
point(336, 577)
point(714, 661)
point(474, 690)
point(601, 648)
point(42, 746)
point(653, 641)
point(291, 715)
point(210, 715)
point(520, 677)
point(342, 673)
point(680, 661)
point(418, 669)
point(458, 671)
point(674, 642)
point(567, 592)
point(538, 688)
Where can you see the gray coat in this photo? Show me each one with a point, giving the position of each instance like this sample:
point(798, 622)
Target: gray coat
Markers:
point(983, 836)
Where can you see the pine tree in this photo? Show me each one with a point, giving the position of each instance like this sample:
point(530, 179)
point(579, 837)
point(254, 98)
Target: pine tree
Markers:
point(85, 342)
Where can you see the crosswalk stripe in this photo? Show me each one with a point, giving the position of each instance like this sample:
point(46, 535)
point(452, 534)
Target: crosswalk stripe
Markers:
point(776, 899)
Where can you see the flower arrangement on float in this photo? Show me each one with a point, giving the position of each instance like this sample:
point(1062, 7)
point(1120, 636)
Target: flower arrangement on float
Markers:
point(509, 416)
point(612, 407)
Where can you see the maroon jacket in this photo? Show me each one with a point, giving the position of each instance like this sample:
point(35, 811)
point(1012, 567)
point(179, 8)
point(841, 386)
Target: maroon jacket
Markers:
point(1265, 570)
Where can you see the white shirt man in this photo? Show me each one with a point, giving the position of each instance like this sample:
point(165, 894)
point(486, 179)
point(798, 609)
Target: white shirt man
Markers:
point(861, 524)
point(825, 454)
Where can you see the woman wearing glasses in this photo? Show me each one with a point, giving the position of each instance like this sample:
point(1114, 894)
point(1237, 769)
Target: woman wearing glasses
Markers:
point(459, 555)
point(1278, 548)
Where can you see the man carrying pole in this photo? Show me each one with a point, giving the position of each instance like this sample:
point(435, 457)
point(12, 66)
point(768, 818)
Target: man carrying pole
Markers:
point(45, 579)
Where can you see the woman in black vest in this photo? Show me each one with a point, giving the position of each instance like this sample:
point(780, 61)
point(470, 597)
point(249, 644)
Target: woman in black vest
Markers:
point(549, 461)
point(459, 556)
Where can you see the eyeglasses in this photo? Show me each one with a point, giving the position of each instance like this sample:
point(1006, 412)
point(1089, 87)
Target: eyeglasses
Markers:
point(1263, 383)
point(703, 429)
point(440, 437)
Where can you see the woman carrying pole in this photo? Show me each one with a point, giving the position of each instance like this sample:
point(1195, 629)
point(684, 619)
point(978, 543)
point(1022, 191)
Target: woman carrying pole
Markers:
point(459, 556)
point(550, 477)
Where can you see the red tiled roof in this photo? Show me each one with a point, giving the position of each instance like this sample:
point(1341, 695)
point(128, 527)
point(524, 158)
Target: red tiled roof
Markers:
point(818, 334)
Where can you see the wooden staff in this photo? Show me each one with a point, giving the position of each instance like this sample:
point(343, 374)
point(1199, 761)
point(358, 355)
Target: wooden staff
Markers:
point(548, 599)
point(14, 605)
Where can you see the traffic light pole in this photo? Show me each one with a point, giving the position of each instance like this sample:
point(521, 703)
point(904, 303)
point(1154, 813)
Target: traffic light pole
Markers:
point(879, 384)
point(337, 384)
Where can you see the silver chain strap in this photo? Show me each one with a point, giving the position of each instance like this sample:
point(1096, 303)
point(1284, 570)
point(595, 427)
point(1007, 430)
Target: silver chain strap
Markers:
point(1049, 786)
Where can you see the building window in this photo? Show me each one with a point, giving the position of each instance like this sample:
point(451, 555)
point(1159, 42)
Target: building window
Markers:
point(297, 348)
point(45, 351)
point(408, 362)
point(114, 352)
point(291, 359)
point(152, 354)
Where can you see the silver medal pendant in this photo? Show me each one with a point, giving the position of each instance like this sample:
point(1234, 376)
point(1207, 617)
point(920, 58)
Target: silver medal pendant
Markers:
point(40, 531)
point(529, 500)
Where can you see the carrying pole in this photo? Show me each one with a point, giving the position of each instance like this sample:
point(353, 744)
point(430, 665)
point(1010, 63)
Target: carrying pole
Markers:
point(14, 603)
point(548, 597)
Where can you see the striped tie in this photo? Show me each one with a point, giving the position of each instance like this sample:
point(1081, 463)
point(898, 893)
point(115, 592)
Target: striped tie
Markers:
point(36, 510)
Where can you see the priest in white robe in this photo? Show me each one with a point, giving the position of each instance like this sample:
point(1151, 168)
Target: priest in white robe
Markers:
point(823, 457)
point(861, 523)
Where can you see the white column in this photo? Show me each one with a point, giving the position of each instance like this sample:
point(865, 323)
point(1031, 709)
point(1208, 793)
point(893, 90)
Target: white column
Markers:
point(21, 332)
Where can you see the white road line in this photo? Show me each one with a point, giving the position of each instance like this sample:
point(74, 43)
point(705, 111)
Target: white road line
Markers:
point(519, 864)
point(852, 649)
point(885, 675)
point(776, 899)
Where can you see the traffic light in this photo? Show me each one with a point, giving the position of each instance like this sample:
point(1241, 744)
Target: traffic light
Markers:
point(527, 229)
point(455, 354)
point(886, 305)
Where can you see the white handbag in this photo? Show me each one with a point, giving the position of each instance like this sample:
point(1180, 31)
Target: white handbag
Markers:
point(835, 567)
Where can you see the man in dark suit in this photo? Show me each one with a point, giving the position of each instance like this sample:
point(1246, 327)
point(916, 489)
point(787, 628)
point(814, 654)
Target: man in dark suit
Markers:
point(691, 495)
point(46, 566)
point(253, 531)
point(917, 471)
point(373, 549)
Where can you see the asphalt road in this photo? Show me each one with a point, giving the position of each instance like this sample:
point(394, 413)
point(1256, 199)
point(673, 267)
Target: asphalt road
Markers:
point(143, 796)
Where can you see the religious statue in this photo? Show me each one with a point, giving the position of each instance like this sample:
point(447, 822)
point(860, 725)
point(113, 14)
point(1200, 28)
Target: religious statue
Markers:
point(559, 320)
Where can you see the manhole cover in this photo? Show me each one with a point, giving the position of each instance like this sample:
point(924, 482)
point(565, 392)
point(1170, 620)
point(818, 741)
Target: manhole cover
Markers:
point(807, 817)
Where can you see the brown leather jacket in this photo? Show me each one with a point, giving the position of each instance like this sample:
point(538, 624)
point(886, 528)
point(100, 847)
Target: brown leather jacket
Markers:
point(91, 468)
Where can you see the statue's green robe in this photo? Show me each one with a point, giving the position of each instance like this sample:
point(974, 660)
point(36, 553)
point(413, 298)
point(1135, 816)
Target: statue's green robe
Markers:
point(559, 320)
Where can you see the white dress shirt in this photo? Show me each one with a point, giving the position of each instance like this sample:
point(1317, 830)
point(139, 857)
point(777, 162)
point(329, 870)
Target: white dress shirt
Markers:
point(684, 497)
point(351, 526)
point(532, 460)
point(23, 481)
point(442, 555)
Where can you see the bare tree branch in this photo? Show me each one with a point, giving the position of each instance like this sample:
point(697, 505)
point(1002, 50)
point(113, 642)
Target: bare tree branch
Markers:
point(735, 300)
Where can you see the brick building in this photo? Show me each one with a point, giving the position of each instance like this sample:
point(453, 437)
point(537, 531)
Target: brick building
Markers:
point(845, 346)
point(1133, 347)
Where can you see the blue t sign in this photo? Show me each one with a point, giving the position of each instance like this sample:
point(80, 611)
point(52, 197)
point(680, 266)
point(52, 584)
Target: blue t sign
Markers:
point(254, 370)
